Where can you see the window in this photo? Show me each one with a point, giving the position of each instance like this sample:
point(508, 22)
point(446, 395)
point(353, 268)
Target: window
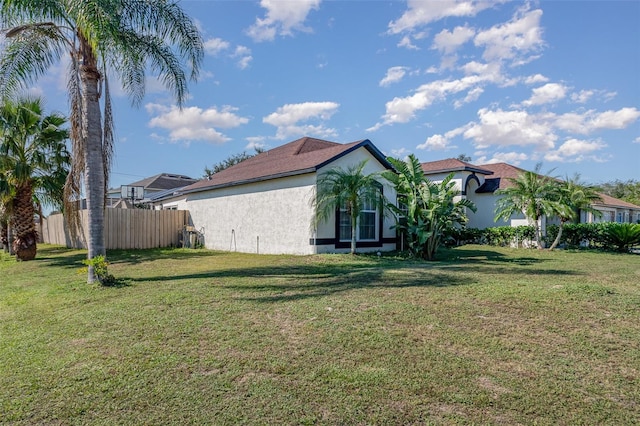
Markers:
point(367, 228)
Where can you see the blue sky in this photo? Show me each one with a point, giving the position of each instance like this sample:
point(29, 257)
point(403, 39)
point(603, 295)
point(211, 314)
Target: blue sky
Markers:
point(556, 82)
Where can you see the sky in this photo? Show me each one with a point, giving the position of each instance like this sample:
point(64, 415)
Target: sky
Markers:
point(551, 82)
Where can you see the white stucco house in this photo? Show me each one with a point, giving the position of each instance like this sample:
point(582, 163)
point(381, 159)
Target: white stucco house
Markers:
point(264, 204)
point(479, 184)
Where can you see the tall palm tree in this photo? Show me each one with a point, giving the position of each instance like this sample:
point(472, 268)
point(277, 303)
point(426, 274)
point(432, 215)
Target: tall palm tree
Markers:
point(102, 38)
point(33, 154)
point(574, 196)
point(531, 194)
point(351, 190)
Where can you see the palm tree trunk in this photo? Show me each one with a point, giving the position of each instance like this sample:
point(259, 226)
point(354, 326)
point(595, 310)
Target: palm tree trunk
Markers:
point(536, 230)
point(94, 163)
point(4, 235)
point(354, 229)
point(26, 237)
point(557, 240)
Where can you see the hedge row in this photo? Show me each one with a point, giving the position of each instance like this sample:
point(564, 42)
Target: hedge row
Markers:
point(604, 235)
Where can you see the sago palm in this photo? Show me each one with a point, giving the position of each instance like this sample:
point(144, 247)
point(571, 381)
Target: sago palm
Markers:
point(102, 38)
point(349, 189)
point(33, 154)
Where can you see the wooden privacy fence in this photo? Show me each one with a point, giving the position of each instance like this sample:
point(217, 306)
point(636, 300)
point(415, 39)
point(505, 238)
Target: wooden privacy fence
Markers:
point(124, 229)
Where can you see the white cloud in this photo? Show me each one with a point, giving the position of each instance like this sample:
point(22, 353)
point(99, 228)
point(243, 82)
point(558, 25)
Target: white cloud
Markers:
point(548, 93)
point(214, 46)
point(282, 18)
point(402, 110)
point(288, 119)
point(420, 12)
point(194, 123)
point(243, 54)
point(472, 95)
point(507, 128)
point(399, 153)
point(449, 41)
point(590, 121)
point(514, 158)
point(394, 75)
point(637, 140)
point(512, 40)
point(535, 79)
point(255, 143)
point(435, 143)
point(582, 97)
point(575, 150)
point(407, 43)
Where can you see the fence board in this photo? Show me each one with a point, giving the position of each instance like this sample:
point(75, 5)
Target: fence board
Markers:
point(124, 229)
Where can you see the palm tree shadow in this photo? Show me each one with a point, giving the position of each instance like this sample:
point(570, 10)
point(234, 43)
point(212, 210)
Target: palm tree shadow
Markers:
point(281, 284)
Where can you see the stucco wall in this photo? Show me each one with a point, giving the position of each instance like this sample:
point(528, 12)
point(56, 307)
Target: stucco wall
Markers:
point(274, 216)
point(327, 228)
point(266, 217)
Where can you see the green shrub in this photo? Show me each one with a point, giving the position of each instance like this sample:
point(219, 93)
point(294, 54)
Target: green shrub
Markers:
point(621, 236)
point(100, 265)
point(507, 235)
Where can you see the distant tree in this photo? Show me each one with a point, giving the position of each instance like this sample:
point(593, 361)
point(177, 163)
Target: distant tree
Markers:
point(351, 190)
point(464, 157)
point(34, 161)
point(532, 194)
point(426, 210)
point(628, 190)
point(574, 196)
point(230, 161)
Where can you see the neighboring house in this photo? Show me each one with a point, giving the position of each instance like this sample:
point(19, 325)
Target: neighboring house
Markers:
point(264, 204)
point(151, 187)
point(613, 210)
point(479, 183)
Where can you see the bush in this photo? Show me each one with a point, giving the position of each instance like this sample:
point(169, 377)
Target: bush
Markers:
point(621, 236)
point(507, 235)
point(100, 265)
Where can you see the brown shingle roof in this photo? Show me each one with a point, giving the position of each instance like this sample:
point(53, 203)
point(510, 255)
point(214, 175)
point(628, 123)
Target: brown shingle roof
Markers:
point(502, 172)
point(164, 181)
point(303, 155)
point(452, 165)
point(608, 200)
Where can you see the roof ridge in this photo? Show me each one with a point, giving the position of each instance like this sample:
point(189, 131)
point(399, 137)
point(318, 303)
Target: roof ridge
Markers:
point(309, 144)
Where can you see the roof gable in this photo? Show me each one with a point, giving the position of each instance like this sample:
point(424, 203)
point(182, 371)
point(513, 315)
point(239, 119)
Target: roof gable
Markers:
point(304, 155)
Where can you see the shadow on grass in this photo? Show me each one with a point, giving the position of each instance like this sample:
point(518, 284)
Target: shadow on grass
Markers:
point(72, 258)
point(286, 283)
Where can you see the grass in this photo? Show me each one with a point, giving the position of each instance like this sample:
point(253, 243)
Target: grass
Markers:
point(485, 335)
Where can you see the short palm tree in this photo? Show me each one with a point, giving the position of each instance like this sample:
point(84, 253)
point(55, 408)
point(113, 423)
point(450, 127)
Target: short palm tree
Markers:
point(33, 155)
point(351, 190)
point(574, 196)
point(123, 38)
point(531, 194)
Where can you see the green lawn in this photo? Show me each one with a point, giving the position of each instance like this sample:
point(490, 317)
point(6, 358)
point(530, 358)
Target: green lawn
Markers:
point(487, 335)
